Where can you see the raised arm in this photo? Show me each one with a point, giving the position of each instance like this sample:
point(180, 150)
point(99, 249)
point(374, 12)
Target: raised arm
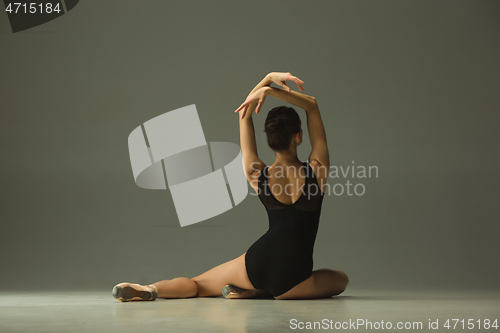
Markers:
point(251, 161)
point(252, 164)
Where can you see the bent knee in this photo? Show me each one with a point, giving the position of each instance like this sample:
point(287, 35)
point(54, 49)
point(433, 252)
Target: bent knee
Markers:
point(343, 277)
point(338, 280)
point(343, 281)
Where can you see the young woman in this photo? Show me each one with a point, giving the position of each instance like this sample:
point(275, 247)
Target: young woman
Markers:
point(280, 263)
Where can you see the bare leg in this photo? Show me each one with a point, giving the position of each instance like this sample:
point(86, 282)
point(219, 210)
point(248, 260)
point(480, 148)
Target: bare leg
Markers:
point(209, 283)
point(323, 283)
point(180, 287)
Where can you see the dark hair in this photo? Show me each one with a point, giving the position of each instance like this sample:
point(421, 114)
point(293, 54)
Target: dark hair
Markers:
point(282, 123)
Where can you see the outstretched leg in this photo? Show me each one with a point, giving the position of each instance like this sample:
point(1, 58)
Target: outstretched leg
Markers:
point(323, 283)
point(209, 283)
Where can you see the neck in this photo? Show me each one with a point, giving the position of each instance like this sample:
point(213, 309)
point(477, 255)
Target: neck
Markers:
point(287, 157)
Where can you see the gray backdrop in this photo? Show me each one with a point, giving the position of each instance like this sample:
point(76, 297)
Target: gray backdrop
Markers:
point(408, 86)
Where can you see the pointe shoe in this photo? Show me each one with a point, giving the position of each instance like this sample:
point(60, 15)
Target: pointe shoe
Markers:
point(230, 291)
point(127, 292)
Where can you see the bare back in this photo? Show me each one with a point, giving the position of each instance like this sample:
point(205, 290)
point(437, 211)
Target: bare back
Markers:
point(287, 182)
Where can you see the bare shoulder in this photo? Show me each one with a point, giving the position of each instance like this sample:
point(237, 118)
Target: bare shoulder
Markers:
point(321, 173)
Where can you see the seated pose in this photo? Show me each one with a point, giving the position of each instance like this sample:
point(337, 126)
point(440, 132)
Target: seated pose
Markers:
point(279, 264)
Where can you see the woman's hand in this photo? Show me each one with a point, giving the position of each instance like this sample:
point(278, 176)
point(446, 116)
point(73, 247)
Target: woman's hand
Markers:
point(281, 78)
point(258, 97)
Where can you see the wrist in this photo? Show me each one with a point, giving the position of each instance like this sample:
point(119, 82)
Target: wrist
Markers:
point(269, 78)
point(269, 91)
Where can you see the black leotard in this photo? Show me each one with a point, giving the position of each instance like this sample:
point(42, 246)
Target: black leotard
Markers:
point(283, 256)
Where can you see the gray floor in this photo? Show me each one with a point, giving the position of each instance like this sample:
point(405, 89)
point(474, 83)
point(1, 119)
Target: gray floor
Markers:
point(99, 312)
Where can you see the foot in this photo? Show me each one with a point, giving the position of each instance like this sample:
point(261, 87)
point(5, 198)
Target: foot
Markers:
point(126, 292)
point(230, 291)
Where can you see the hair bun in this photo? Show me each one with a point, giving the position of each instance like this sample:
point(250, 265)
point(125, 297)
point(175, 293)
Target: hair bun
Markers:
point(275, 125)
